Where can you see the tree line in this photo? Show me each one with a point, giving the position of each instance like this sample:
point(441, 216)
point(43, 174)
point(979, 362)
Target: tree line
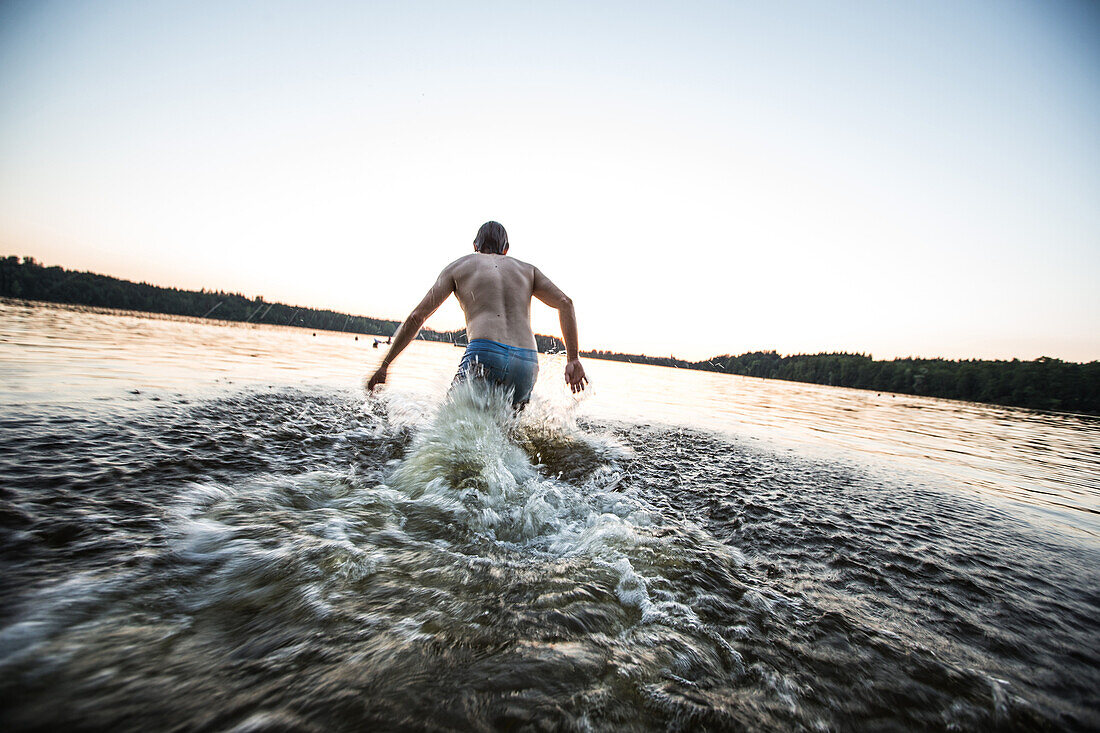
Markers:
point(25, 278)
point(1044, 383)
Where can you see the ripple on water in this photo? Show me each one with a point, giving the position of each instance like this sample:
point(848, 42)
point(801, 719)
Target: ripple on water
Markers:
point(298, 559)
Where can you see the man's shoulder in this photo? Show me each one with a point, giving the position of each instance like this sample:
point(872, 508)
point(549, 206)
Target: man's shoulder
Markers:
point(476, 260)
point(463, 260)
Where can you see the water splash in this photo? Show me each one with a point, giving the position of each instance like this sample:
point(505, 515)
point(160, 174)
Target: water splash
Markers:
point(500, 473)
point(415, 562)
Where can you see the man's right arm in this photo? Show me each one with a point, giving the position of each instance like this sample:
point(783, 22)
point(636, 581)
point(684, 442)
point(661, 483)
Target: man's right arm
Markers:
point(551, 295)
point(410, 327)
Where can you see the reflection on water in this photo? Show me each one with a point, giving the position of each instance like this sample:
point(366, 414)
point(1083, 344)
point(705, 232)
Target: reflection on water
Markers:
point(1049, 461)
point(207, 525)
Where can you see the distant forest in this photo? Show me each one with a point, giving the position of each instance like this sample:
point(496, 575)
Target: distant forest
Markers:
point(26, 278)
point(1045, 383)
point(1042, 384)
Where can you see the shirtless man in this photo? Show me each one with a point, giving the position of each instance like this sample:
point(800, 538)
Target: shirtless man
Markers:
point(495, 293)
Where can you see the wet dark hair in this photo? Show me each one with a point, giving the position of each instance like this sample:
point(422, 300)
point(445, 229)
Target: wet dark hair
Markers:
point(491, 239)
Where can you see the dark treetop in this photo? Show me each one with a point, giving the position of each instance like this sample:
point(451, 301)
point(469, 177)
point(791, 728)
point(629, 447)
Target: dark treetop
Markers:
point(1045, 383)
point(31, 281)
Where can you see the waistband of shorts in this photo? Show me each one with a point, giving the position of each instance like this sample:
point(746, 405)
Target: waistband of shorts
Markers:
point(489, 344)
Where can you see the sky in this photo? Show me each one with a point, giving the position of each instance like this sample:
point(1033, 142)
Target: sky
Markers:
point(701, 178)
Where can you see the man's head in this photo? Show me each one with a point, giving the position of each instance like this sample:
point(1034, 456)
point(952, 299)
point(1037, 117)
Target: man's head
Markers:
point(491, 239)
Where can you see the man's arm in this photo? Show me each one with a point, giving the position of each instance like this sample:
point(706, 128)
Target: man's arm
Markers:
point(406, 332)
point(552, 295)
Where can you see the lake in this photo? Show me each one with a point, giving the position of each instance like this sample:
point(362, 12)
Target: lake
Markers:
point(208, 525)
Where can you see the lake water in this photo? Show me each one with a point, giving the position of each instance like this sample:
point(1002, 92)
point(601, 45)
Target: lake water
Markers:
point(208, 525)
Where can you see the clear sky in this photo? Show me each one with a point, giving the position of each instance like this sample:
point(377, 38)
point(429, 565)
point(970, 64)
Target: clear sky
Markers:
point(915, 178)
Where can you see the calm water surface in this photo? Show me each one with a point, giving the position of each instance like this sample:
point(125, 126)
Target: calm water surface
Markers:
point(209, 526)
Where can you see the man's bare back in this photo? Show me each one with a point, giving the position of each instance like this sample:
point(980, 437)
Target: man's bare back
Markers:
point(495, 293)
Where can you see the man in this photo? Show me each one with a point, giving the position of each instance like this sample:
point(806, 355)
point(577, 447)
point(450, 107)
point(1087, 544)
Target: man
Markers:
point(495, 293)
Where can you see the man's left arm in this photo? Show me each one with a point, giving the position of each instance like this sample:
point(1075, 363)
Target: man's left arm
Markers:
point(552, 295)
point(407, 331)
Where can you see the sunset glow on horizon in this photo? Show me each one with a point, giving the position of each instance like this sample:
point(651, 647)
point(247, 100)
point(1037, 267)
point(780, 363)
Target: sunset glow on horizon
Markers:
point(702, 179)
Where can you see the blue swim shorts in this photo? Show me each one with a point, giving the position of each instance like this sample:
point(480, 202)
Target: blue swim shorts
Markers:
point(510, 366)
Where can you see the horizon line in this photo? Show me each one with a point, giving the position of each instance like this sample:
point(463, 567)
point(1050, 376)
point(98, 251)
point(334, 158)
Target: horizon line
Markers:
point(27, 259)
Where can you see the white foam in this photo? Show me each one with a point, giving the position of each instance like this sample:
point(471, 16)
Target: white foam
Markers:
point(466, 459)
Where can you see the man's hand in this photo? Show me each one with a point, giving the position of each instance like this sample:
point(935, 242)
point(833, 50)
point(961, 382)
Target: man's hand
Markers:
point(378, 378)
point(574, 375)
